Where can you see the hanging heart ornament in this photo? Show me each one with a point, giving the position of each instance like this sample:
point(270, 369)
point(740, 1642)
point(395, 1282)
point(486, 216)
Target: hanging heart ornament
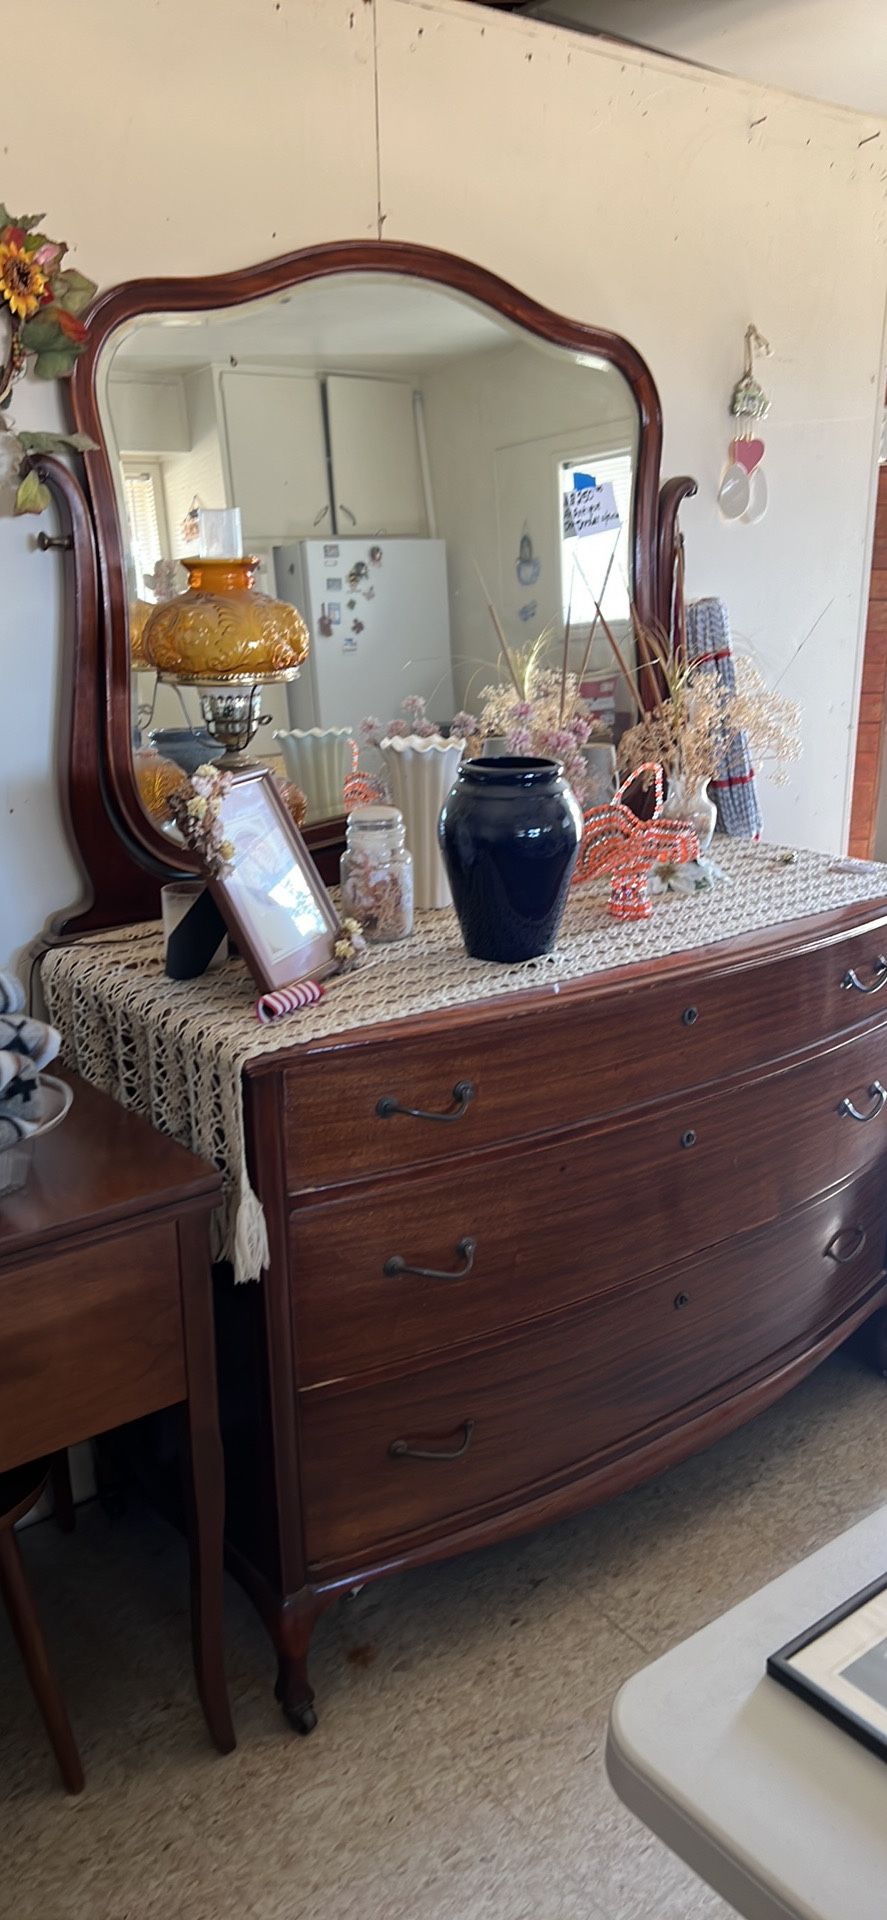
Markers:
point(747, 453)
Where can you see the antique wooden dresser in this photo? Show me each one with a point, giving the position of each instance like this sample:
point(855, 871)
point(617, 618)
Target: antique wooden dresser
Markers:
point(531, 1247)
point(524, 1255)
point(532, 1233)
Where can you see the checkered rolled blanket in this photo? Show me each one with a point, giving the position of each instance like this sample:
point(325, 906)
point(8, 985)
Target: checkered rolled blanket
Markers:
point(710, 647)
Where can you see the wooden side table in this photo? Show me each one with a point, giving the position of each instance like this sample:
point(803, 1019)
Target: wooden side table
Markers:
point(106, 1315)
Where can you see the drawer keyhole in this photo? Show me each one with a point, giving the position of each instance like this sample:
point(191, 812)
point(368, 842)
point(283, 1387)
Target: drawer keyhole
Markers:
point(682, 1300)
point(690, 1016)
point(688, 1139)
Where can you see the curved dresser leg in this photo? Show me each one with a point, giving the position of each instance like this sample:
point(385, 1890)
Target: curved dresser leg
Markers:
point(297, 1620)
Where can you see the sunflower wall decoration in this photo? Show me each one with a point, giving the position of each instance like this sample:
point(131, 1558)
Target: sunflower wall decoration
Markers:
point(42, 303)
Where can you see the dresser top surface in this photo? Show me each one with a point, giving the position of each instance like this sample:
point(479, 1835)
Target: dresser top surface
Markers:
point(760, 904)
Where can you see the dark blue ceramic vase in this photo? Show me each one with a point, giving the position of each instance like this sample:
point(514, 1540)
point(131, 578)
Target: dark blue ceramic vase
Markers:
point(509, 833)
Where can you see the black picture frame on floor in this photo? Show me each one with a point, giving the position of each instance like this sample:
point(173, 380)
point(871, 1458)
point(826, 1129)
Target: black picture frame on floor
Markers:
point(829, 1692)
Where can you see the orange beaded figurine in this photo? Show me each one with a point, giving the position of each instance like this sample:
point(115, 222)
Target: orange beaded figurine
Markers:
point(615, 841)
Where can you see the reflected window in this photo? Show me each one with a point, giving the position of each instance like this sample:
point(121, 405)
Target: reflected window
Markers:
point(593, 552)
point(146, 523)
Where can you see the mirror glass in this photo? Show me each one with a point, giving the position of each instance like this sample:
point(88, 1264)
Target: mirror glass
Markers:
point(401, 456)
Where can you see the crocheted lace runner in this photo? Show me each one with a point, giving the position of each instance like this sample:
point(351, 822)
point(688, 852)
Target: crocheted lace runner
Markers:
point(175, 1050)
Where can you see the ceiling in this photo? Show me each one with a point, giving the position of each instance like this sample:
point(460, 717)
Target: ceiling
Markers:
point(343, 322)
point(828, 51)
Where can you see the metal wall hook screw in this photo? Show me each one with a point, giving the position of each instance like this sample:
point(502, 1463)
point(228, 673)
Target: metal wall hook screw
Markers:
point(55, 542)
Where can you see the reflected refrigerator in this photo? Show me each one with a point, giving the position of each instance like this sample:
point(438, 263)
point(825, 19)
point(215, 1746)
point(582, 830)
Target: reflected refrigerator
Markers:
point(378, 614)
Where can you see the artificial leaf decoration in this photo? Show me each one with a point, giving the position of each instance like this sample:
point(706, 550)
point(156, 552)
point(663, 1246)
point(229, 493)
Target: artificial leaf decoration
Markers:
point(72, 291)
point(32, 495)
point(56, 442)
point(58, 364)
point(42, 303)
point(42, 334)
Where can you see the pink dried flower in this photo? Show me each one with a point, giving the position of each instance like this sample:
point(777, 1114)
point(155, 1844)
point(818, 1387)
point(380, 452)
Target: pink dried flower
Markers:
point(414, 704)
point(371, 730)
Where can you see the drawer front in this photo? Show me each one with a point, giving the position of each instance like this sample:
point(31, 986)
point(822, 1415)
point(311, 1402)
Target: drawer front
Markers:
point(88, 1340)
point(517, 1235)
point(569, 1061)
point(543, 1406)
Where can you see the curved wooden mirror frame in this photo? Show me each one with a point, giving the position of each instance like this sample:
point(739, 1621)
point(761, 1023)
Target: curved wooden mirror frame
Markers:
point(100, 760)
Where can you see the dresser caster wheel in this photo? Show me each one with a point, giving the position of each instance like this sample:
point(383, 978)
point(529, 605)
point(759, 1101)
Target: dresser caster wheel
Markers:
point(303, 1720)
point(291, 1689)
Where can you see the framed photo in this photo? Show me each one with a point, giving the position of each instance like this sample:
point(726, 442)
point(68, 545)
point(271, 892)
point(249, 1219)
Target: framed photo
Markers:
point(273, 900)
point(840, 1666)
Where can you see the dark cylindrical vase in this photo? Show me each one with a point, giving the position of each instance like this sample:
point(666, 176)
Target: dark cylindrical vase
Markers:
point(509, 834)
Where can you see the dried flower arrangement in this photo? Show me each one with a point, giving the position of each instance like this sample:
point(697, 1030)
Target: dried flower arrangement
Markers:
point(196, 810)
point(413, 722)
point(541, 711)
point(547, 718)
point(699, 720)
point(350, 947)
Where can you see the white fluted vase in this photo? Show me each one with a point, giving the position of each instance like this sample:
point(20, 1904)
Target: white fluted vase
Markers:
point(420, 774)
point(318, 760)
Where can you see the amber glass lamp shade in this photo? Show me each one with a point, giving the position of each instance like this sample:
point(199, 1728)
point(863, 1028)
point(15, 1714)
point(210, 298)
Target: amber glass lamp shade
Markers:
point(140, 612)
point(157, 780)
point(221, 631)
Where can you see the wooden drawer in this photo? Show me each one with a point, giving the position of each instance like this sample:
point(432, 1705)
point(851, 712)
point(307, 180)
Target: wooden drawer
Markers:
point(601, 1046)
point(540, 1408)
point(557, 1224)
point(84, 1334)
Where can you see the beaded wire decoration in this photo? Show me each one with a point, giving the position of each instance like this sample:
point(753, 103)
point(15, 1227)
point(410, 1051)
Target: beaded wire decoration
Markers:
point(615, 841)
point(361, 789)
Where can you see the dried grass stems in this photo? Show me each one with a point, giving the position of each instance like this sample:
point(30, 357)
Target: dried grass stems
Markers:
point(541, 710)
point(700, 720)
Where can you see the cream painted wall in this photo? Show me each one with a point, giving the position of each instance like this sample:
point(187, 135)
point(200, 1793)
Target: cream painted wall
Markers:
point(670, 205)
point(675, 206)
point(807, 46)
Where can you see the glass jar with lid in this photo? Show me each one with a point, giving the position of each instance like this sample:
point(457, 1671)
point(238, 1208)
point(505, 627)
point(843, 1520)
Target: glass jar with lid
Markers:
point(377, 874)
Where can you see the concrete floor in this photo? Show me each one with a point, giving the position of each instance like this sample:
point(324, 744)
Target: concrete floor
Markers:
point(456, 1773)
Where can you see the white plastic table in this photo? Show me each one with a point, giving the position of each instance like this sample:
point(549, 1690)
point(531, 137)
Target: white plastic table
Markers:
point(782, 1813)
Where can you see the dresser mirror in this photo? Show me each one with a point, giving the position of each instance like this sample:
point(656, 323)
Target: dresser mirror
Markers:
point(396, 452)
point(399, 432)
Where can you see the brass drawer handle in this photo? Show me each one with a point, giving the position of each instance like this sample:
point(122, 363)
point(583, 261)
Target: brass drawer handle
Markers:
point(463, 1094)
point(879, 1095)
point(859, 1237)
point(466, 1250)
point(401, 1449)
point(852, 979)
